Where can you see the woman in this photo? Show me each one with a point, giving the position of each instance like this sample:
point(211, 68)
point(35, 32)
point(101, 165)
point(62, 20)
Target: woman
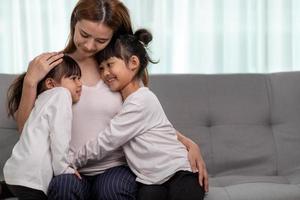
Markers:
point(94, 24)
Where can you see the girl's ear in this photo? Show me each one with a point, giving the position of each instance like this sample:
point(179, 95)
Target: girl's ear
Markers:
point(134, 63)
point(50, 83)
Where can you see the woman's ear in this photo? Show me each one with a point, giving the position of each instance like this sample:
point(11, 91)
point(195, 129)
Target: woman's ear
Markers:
point(134, 63)
point(50, 83)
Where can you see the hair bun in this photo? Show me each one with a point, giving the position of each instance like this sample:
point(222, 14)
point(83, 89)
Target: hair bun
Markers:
point(144, 36)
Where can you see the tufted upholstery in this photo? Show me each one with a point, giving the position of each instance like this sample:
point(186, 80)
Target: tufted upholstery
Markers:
point(247, 125)
point(8, 132)
point(248, 128)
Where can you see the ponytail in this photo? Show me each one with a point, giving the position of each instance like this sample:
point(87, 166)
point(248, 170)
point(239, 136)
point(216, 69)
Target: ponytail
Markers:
point(14, 95)
point(145, 37)
point(145, 77)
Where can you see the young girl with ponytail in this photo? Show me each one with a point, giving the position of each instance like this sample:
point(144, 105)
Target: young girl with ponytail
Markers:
point(141, 128)
point(42, 150)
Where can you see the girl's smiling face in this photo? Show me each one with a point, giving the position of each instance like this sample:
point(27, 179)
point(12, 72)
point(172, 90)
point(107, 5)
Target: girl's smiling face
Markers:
point(115, 73)
point(119, 75)
point(73, 84)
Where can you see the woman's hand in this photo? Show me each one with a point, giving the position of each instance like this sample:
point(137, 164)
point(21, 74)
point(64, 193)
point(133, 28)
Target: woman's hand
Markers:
point(196, 160)
point(198, 164)
point(37, 70)
point(40, 66)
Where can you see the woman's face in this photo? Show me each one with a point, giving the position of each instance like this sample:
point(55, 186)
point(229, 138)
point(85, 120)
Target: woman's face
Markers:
point(91, 37)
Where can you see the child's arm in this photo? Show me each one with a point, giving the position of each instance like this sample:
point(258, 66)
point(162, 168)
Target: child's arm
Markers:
point(123, 127)
point(60, 120)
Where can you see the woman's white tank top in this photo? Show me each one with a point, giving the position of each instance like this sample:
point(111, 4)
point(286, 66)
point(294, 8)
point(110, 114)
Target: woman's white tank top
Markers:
point(96, 107)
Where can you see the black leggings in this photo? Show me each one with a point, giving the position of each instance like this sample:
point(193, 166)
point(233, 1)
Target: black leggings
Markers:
point(4, 191)
point(26, 193)
point(183, 185)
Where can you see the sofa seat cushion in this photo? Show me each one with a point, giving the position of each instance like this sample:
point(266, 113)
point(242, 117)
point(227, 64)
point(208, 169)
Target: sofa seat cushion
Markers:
point(294, 177)
point(225, 181)
point(256, 188)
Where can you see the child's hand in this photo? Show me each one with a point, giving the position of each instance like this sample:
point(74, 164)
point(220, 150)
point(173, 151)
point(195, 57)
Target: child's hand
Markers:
point(77, 174)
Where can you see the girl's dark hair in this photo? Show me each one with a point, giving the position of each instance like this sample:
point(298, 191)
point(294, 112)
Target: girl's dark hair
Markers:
point(113, 13)
point(127, 46)
point(68, 67)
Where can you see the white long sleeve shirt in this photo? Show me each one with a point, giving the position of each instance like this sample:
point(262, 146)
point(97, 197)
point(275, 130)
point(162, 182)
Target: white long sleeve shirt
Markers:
point(149, 140)
point(44, 143)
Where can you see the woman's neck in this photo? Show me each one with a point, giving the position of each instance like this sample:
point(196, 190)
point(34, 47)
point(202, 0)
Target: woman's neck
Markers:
point(90, 75)
point(79, 57)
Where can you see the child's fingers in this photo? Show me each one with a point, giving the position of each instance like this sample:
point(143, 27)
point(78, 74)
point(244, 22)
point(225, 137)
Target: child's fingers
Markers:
point(77, 174)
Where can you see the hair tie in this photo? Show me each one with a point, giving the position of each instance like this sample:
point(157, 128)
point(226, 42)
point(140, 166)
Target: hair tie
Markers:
point(142, 43)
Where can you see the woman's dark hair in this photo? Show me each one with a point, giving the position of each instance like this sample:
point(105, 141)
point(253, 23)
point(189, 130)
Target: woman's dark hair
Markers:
point(112, 13)
point(127, 46)
point(68, 67)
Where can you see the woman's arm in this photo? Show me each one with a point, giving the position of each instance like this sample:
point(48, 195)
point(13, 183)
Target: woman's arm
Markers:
point(196, 159)
point(37, 70)
point(26, 104)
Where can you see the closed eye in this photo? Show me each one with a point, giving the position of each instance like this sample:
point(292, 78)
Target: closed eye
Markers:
point(84, 35)
point(101, 41)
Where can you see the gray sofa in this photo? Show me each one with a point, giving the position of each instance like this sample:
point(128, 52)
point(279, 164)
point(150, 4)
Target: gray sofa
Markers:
point(247, 125)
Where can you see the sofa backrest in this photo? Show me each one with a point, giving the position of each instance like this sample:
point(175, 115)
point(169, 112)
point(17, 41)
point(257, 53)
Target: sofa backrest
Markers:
point(8, 132)
point(5, 82)
point(245, 124)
